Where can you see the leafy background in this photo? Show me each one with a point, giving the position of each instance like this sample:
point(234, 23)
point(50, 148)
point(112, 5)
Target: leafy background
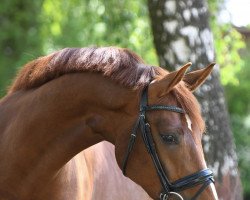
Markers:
point(33, 28)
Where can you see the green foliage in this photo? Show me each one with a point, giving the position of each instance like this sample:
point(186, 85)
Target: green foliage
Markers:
point(234, 60)
point(103, 23)
point(32, 28)
point(227, 43)
point(228, 53)
point(19, 36)
point(241, 129)
point(238, 98)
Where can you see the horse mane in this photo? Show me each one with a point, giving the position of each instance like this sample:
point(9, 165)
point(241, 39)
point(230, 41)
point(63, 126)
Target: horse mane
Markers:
point(121, 65)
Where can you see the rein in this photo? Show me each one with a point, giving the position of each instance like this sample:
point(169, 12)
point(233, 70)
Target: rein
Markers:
point(204, 177)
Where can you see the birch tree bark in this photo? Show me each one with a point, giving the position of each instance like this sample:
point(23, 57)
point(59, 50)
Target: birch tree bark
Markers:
point(181, 34)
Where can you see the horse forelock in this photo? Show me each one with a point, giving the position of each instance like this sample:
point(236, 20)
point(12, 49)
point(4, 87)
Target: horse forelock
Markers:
point(191, 106)
point(121, 65)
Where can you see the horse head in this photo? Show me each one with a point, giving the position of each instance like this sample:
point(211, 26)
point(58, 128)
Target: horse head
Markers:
point(164, 152)
point(77, 97)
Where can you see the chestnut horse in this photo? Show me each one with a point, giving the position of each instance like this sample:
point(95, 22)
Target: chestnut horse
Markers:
point(65, 102)
point(99, 183)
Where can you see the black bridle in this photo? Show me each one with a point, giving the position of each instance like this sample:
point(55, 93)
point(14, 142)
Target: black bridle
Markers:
point(204, 177)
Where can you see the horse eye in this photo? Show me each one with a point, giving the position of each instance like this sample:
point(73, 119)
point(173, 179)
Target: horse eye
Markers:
point(169, 139)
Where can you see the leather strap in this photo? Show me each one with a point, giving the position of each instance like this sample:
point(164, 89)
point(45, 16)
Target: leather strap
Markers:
point(204, 176)
point(130, 145)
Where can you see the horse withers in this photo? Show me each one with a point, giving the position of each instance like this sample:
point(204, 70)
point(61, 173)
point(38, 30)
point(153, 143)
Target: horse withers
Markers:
point(65, 102)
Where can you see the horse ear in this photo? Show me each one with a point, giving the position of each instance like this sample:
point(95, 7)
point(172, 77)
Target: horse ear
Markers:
point(162, 86)
point(194, 79)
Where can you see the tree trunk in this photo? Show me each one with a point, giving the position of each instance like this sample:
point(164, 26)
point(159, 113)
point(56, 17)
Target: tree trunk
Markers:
point(181, 34)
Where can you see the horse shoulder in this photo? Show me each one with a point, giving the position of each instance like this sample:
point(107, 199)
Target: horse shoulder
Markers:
point(106, 177)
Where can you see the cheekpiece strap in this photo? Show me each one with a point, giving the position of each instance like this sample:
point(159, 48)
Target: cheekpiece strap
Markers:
point(204, 177)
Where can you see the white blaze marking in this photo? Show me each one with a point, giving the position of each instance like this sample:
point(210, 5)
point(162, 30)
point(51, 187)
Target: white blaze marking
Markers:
point(214, 191)
point(189, 123)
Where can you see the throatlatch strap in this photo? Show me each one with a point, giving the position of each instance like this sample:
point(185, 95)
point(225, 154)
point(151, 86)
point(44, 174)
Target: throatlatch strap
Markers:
point(130, 145)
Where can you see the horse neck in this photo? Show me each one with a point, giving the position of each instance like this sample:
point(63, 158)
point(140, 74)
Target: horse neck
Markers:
point(53, 123)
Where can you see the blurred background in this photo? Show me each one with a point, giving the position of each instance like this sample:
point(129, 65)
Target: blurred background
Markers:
point(29, 29)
